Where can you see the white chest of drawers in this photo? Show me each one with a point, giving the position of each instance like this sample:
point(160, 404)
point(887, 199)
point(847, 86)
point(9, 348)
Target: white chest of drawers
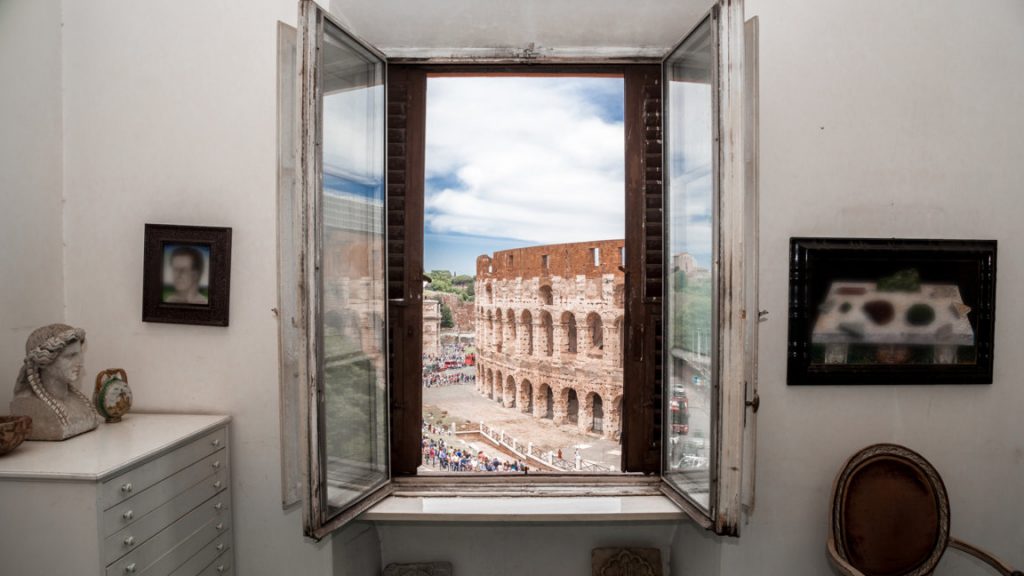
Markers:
point(147, 496)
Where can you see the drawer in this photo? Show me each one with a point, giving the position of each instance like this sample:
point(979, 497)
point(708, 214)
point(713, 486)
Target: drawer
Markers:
point(138, 479)
point(172, 546)
point(223, 566)
point(144, 528)
point(218, 551)
point(142, 503)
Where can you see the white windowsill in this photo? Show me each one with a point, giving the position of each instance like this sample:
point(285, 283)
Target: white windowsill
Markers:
point(523, 509)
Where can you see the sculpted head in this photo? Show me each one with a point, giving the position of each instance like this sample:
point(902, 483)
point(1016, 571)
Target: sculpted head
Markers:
point(54, 360)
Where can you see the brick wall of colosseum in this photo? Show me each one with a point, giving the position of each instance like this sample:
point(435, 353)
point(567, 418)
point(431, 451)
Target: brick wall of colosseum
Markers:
point(549, 332)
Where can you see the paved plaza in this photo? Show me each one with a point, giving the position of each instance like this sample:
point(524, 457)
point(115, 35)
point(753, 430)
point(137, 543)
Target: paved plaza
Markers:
point(462, 405)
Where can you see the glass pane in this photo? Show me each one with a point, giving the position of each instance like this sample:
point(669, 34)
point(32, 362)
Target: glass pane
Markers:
point(352, 324)
point(691, 287)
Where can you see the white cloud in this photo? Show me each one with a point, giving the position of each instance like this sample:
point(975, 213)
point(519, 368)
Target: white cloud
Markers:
point(535, 159)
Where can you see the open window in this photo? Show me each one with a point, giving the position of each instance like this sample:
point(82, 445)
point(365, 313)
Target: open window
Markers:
point(708, 287)
point(341, 183)
point(679, 337)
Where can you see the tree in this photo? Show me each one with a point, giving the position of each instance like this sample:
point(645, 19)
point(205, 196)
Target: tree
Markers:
point(446, 316)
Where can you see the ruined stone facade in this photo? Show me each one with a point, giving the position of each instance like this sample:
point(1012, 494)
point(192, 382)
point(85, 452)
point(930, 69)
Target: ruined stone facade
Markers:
point(431, 327)
point(549, 326)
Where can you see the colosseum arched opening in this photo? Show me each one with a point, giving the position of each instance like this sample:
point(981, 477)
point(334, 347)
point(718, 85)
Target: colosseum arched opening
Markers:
point(547, 334)
point(526, 397)
point(572, 406)
point(510, 334)
point(527, 333)
point(595, 335)
point(509, 393)
point(547, 297)
point(593, 413)
point(490, 383)
point(569, 340)
point(498, 387)
point(545, 404)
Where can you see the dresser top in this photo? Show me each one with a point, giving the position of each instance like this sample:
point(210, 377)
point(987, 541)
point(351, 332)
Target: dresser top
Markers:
point(108, 449)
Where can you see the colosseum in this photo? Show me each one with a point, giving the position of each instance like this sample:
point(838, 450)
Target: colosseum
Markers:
point(549, 332)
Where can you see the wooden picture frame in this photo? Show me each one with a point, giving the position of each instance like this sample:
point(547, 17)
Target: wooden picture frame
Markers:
point(891, 311)
point(186, 275)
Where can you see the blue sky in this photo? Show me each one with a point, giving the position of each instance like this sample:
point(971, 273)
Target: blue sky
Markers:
point(521, 161)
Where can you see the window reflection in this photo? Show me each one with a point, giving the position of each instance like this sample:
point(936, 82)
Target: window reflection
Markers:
point(352, 275)
point(691, 301)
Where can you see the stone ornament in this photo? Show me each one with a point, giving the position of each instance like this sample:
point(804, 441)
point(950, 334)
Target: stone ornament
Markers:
point(112, 396)
point(47, 387)
point(626, 562)
point(419, 569)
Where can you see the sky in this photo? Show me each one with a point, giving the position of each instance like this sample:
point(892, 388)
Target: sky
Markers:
point(521, 161)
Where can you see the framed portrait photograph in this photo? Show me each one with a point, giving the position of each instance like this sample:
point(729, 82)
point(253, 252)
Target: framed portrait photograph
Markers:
point(891, 311)
point(186, 274)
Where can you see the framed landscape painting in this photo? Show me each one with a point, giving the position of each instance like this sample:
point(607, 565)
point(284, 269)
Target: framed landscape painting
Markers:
point(891, 311)
point(186, 274)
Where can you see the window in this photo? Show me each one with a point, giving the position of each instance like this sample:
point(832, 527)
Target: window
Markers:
point(364, 372)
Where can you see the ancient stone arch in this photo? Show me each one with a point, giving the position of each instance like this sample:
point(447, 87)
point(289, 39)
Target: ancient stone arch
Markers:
point(498, 386)
point(499, 334)
point(595, 335)
point(592, 419)
point(509, 395)
point(547, 334)
point(544, 405)
point(569, 337)
point(510, 335)
point(572, 405)
point(546, 296)
point(490, 383)
point(526, 396)
point(526, 345)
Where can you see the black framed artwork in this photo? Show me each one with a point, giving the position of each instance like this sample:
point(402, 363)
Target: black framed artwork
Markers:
point(186, 274)
point(891, 311)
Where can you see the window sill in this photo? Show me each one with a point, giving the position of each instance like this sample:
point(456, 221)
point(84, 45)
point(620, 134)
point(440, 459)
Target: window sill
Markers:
point(568, 499)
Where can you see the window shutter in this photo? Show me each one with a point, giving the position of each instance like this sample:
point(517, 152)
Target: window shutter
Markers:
point(642, 366)
point(405, 155)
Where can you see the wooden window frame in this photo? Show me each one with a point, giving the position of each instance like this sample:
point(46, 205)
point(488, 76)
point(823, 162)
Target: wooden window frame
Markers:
point(406, 145)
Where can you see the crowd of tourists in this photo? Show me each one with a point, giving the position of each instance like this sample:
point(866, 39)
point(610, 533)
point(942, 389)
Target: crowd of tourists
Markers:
point(446, 367)
point(441, 454)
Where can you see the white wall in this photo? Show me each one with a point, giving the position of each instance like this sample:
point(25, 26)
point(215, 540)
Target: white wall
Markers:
point(171, 118)
point(525, 549)
point(31, 273)
point(898, 119)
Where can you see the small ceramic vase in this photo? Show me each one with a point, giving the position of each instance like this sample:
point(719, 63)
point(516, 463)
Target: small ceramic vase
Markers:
point(112, 396)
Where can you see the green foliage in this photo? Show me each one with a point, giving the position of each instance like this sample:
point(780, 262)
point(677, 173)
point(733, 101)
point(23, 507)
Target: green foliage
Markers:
point(443, 281)
point(446, 316)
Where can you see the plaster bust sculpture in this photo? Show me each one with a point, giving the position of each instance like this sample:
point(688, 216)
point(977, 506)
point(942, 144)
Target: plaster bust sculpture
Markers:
point(47, 387)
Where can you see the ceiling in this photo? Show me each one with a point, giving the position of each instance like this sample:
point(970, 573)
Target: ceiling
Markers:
point(514, 28)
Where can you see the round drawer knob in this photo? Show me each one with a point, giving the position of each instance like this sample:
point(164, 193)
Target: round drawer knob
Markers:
point(217, 484)
point(220, 526)
point(128, 515)
point(126, 487)
point(218, 506)
point(216, 464)
point(130, 569)
point(129, 541)
point(220, 547)
point(216, 442)
point(221, 568)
